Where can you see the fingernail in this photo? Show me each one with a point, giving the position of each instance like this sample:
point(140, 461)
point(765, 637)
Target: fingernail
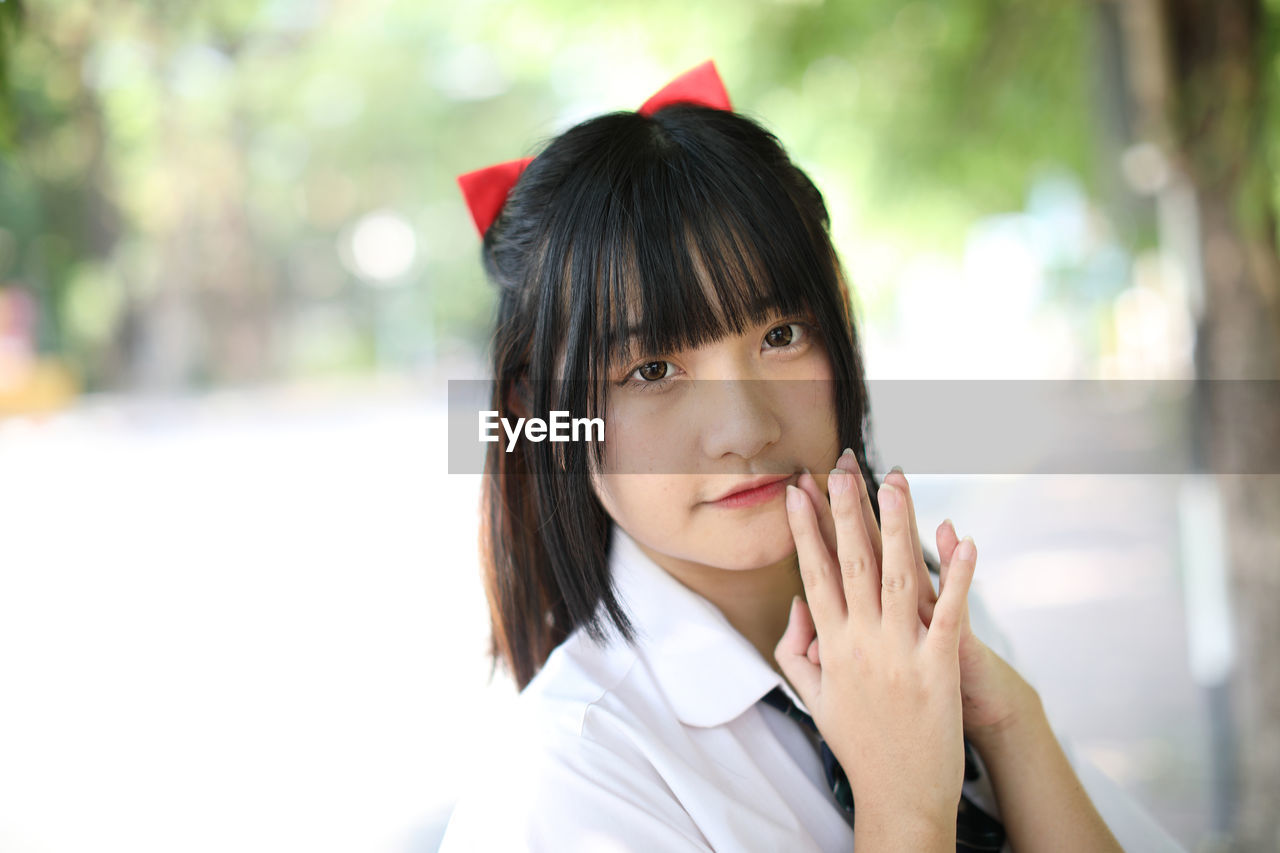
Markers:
point(837, 484)
point(965, 550)
point(848, 451)
point(897, 468)
point(888, 496)
point(794, 498)
point(946, 522)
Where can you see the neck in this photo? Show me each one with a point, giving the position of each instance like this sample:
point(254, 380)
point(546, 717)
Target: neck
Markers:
point(756, 602)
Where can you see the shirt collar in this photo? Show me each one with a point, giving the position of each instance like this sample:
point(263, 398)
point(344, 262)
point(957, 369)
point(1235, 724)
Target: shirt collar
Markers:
point(709, 672)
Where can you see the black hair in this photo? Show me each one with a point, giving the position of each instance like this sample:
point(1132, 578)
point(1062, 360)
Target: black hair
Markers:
point(691, 223)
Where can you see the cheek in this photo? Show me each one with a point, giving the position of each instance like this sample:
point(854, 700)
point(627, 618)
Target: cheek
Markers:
point(639, 484)
point(642, 494)
point(646, 438)
point(809, 411)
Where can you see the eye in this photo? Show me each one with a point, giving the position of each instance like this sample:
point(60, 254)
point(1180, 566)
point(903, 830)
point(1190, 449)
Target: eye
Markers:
point(650, 376)
point(785, 335)
point(653, 371)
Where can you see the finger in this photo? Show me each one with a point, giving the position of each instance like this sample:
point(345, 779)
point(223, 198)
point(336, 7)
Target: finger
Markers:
point(817, 568)
point(898, 574)
point(953, 605)
point(849, 462)
point(947, 541)
point(924, 584)
point(792, 652)
point(818, 497)
point(857, 560)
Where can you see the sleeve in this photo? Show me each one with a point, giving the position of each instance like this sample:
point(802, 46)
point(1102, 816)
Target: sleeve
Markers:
point(563, 792)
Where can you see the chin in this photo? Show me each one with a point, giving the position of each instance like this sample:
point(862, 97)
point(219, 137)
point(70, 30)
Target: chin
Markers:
point(756, 543)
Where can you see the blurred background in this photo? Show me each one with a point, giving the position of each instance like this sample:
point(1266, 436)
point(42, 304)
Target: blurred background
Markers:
point(239, 600)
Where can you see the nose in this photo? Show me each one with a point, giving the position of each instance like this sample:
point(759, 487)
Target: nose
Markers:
point(738, 417)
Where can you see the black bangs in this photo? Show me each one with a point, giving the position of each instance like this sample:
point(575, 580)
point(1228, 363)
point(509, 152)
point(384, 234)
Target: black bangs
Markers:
point(677, 230)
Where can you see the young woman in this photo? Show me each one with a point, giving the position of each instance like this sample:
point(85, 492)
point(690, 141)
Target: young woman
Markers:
point(712, 653)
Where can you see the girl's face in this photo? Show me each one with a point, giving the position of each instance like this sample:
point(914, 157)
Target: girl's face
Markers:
point(685, 429)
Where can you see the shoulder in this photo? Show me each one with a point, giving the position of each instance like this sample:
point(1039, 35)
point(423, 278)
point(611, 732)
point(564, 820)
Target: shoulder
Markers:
point(578, 674)
point(569, 768)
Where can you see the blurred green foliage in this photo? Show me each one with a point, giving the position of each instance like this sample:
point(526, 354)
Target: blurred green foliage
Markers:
point(185, 178)
point(10, 21)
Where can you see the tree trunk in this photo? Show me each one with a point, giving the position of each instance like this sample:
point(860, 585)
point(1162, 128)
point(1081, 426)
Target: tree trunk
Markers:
point(1238, 339)
point(1199, 70)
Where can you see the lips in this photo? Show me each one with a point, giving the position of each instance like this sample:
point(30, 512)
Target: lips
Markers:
point(753, 483)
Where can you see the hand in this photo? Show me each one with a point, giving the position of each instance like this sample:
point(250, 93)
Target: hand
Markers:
point(885, 692)
point(994, 694)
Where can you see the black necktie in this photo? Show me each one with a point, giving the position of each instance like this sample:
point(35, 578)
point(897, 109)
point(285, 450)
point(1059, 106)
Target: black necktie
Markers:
point(975, 829)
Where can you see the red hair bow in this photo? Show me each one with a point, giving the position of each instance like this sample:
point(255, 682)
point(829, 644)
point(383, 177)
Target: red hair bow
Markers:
point(486, 189)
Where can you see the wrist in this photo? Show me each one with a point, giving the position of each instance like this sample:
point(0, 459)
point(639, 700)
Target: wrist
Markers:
point(1026, 714)
point(884, 825)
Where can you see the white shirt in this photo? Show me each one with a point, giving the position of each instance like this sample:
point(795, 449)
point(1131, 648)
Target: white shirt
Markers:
point(666, 746)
